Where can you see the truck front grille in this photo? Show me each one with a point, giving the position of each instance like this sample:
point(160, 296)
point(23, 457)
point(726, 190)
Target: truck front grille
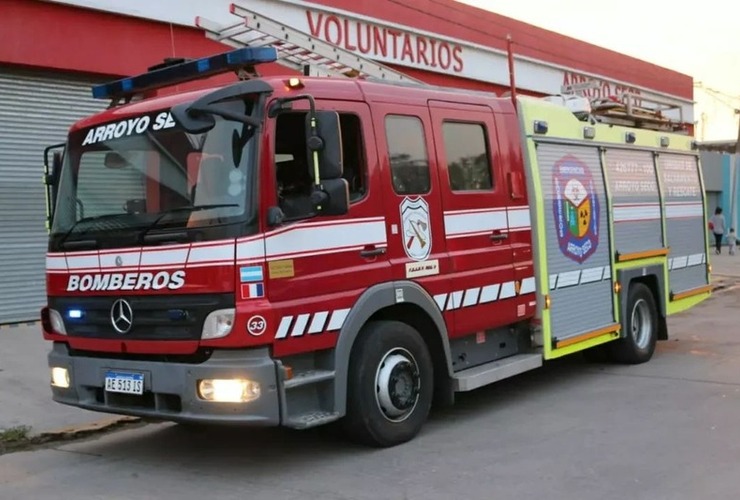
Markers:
point(178, 317)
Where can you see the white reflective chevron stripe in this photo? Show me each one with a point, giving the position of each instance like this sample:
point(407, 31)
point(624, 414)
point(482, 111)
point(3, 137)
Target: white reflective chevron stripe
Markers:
point(311, 323)
point(683, 261)
point(528, 286)
point(318, 322)
point(299, 327)
point(470, 297)
point(682, 210)
point(632, 212)
point(282, 330)
point(489, 293)
point(579, 277)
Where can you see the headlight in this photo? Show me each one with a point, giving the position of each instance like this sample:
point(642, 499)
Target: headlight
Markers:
point(218, 324)
point(230, 390)
point(60, 377)
point(57, 323)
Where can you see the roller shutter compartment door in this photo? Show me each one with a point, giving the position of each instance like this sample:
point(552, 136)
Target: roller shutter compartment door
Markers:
point(36, 111)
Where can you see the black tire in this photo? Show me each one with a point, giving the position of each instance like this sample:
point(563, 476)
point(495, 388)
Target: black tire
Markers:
point(390, 413)
point(640, 325)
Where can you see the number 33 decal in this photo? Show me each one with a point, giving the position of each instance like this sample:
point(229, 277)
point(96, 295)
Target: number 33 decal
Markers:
point(256, 325)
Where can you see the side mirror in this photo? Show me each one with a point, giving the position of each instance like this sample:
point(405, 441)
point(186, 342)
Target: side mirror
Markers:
point(51, 179)
point(332, 197)
point(324, 145)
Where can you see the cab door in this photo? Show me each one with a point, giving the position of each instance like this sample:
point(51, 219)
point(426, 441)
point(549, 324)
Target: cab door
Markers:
point(483, 288)
point(411, 195)
point(318, 266)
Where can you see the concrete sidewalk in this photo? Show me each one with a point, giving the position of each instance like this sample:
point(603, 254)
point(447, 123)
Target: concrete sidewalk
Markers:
point(25, 397)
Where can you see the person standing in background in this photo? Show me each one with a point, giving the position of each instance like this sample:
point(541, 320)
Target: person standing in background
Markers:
point(717, 224)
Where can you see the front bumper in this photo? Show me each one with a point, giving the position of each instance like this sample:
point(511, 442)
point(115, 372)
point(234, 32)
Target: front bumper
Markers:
point(170, 389)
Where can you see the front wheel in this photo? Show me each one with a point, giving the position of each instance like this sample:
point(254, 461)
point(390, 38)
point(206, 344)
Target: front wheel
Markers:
point(641, 327)
point(390, 386)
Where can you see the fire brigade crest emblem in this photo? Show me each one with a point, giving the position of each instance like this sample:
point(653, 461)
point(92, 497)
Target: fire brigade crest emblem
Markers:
point(575, 209)
point(417, 231)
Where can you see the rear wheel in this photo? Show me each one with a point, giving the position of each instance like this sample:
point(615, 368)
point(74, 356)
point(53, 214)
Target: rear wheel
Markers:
point(640, 325)
point(390, 386)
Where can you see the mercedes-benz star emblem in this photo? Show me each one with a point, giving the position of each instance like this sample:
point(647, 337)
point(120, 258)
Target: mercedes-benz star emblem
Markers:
point(121, 316)
point(119, 261)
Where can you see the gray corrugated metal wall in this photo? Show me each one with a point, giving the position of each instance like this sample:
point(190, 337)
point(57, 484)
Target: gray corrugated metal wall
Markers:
point(35, 112)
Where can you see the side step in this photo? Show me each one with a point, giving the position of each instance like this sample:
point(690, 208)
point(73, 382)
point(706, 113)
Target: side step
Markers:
point(308, 377)
point(473, 378)
point(310, 419)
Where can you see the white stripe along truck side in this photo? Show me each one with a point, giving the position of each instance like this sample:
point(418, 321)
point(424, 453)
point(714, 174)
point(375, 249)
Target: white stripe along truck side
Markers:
point(628, 212)
point(313, 239)
point(193, 255)
point(302, 240)
point(464, 223)
point(683, 210)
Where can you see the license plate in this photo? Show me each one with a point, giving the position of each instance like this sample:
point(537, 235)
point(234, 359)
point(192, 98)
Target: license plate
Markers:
point(126, 383)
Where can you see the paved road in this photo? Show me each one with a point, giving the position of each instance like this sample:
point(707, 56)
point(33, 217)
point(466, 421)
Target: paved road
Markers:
point(669, 429)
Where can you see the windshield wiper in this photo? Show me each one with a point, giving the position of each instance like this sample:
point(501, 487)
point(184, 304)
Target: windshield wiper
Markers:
point(84, 243)
point(191, 208)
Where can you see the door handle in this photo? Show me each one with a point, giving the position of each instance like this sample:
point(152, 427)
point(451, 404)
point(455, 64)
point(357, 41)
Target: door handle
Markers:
point(372, 252)
point(499, 236)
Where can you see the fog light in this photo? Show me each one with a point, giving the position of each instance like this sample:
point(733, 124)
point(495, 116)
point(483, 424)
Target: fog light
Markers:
point(60, 377)
point(236, 390)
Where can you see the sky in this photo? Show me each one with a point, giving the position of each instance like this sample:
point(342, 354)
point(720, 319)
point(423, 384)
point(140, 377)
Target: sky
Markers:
point(701, 42)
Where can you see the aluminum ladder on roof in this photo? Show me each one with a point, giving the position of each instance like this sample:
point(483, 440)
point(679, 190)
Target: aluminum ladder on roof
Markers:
point(296, 49)
point(638, 111)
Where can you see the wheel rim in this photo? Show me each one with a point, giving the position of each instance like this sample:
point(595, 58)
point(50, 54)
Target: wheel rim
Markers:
point(642, 326)
point(397, 385)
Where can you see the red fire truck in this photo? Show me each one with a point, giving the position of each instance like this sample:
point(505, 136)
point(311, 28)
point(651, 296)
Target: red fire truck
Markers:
point(299, 250)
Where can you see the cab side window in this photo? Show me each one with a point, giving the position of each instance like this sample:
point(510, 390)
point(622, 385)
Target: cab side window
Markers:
point(467, 155)
point(408, 154)
point(292, 165)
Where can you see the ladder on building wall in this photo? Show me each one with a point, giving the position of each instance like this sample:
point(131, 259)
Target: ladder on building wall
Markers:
point(296, 49)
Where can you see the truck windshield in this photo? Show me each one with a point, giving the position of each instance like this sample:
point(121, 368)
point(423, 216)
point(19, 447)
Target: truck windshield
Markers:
point(124, 180)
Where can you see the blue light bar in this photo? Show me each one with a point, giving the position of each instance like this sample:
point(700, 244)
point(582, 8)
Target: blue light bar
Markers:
point(74, 313)
point(185, 72)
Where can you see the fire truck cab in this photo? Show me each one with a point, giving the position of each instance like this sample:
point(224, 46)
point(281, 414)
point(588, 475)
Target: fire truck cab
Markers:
point(297, 251)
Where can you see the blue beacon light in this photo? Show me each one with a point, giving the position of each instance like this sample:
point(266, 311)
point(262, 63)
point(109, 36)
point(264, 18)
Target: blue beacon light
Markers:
point(181, 72)
point(74, 313)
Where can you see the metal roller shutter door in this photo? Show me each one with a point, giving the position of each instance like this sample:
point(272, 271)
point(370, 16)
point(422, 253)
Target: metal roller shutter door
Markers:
point(35, 112)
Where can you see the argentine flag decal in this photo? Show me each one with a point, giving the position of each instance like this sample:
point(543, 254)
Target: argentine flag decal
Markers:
point(251, 274)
